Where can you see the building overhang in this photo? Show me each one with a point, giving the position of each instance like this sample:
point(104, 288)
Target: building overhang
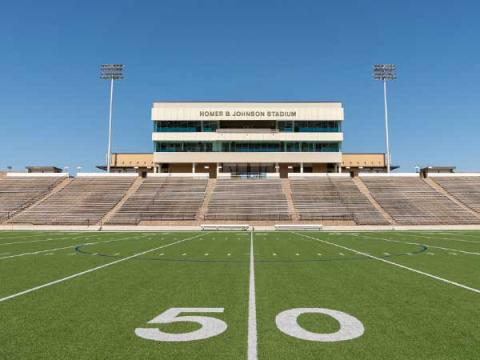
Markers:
point(247, 157)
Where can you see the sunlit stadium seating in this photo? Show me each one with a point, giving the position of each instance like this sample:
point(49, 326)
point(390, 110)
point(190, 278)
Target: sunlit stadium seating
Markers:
point(333, 199)
point(163, 199)
point(17, 193)
point(248, 199)
point(466, 189)
point(411, 201)
point(82, 202)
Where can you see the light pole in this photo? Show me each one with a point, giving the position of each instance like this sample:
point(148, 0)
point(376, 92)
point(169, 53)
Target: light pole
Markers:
point(385, 72)
point(110, 72)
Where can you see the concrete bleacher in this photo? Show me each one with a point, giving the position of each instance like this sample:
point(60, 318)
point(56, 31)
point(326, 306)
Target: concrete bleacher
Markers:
point(82, 202)
point(19, 192)
point(333, 198)
point(248, 199)
point(163, 199)
point(465, 189)
point(411, 201)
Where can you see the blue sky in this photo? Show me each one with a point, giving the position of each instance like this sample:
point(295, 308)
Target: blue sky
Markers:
point(54, 108)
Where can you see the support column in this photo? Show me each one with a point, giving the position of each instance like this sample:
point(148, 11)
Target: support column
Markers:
point(301, 168)
point(277, 168)
point(155, 168)
point(193, 168)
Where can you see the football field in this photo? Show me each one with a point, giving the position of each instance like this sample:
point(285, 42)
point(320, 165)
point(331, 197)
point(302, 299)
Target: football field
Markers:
point(240, 295)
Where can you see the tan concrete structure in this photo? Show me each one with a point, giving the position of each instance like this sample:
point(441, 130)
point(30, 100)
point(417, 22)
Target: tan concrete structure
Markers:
point(363, 162)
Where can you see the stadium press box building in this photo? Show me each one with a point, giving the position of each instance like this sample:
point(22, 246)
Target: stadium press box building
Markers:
point(247, 138)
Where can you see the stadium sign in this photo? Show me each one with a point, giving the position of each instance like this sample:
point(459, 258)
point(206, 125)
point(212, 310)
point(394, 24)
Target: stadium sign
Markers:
point(249, 113)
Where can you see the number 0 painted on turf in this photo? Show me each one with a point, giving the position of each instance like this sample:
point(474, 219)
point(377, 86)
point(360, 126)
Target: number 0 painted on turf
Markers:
point(209, 326)
point(350, 327)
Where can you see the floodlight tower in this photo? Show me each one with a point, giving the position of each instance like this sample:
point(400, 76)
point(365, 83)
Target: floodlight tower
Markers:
point(385, 72)
point(110, 72)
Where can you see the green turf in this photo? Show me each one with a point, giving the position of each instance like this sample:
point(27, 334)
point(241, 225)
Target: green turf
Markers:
point(406, 315)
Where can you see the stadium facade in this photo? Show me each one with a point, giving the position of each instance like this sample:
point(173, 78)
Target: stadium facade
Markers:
point(247, 138)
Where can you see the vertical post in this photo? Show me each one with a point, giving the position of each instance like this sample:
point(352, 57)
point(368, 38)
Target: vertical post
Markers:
point(301, 168)
point(193, 168)
point(109, 154)
point(387, 142)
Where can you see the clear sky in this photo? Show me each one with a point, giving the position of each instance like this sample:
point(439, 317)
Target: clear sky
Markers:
point(54, 108)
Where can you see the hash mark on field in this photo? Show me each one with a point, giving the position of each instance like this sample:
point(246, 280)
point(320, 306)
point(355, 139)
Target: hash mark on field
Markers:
point(274, 254)
point(116, 254)
point(229, 254)
point(319, 254)
point(206, 254)
point(48, 254)
point(394, 264)
point(161, 254)
point(341, 254)
point(297, 254)
point(452, 253)
point(386, 254)
point(184, 254)
point(430, 253)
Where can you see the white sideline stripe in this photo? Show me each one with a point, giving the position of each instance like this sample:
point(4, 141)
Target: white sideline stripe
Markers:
point(415, 243)
point(395, 264)
point(24, 292)
point(252, 308)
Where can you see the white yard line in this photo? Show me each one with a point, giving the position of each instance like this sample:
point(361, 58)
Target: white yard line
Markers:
point(24, 292)
point(395, 264)
point(252, 308)
point(415, 243)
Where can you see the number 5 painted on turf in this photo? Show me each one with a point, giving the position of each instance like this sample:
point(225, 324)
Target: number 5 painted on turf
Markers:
point(210, 326)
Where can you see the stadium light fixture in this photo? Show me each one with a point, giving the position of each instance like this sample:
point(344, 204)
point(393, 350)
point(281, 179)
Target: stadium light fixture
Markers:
point(385, 72)
point(110, 72)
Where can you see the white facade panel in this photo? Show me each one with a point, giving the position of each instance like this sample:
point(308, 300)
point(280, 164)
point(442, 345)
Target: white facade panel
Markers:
point(195, 111)
point(247, 157)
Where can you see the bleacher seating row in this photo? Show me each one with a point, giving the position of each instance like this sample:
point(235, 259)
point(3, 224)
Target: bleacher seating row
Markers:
point(247, 200)
point(411, 201)
point(17, 193)
point(163, 199)
point(82, 202)
point(86, 200)
point(466, 189)
point(333, 199)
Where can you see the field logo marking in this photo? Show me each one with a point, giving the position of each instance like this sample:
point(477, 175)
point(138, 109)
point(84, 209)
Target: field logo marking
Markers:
point(421, 244)
point(252, 308)
point(350, 327)
point(210, 326)
point(395, 264)
point(24, 292)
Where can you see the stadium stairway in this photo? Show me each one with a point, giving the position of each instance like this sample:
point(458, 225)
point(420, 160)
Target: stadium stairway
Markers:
point(132, 190)
point(445, 193)
point(364, 190)
point(202, 211)
point(287, 190)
